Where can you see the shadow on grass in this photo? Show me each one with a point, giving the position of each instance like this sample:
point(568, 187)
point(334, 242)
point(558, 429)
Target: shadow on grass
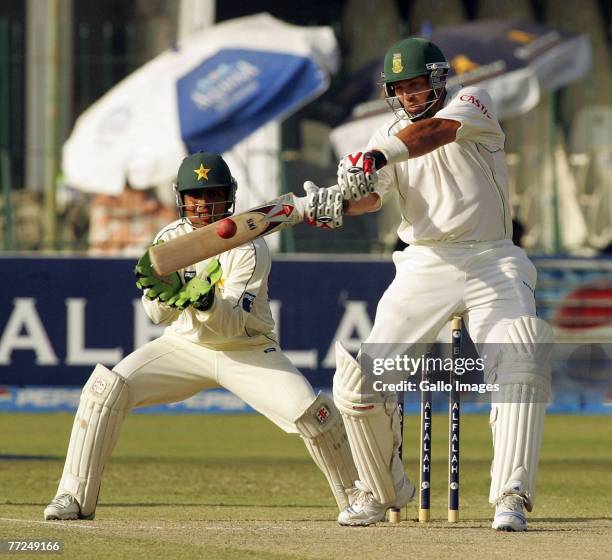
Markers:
point(174, 505)
point(31, 458)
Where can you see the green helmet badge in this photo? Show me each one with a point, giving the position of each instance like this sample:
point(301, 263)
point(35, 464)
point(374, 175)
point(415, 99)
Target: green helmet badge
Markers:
point(397, 67)
point(411, 58)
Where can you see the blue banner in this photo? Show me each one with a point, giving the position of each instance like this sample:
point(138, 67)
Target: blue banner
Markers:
point(61, 316)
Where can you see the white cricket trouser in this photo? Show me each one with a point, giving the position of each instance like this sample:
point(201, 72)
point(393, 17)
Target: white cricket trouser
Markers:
point(490, 284)
point(171, 369)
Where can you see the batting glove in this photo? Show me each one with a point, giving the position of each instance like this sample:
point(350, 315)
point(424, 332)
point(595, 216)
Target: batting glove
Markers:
point(357, 175)
point(324, 206)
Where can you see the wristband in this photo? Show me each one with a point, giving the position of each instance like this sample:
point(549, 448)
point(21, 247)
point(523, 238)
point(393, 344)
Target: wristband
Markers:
point(206, 302)
point(393, 149)
point(379, 159)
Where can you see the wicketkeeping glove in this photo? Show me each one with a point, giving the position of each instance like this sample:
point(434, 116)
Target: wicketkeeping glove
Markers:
point(154, 287)
point(199, 293)
point(324, 206)
point(357, 175)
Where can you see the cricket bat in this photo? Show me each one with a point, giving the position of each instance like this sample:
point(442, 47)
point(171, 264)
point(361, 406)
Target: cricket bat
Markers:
point(228, 233)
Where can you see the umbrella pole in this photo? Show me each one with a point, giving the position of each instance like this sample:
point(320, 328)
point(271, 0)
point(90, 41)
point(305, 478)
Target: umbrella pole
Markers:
point(552, 148)
point(51, 114)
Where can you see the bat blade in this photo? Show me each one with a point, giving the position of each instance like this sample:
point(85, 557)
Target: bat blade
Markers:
point(205, 242)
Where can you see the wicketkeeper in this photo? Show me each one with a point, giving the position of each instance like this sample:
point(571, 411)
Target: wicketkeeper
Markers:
point(220, 333)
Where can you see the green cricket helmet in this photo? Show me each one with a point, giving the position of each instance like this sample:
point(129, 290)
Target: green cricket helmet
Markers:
point(410, 58)
point(205, 170)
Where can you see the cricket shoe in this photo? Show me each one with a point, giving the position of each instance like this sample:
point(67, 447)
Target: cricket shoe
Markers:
point(63, 507)
point(509, 513)
point(365, 510)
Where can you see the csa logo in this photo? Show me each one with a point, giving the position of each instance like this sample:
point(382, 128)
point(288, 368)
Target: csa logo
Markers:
point(425, 485)
point(98, 386)
point(323, 414)
point(454, 486)
point(396, 64)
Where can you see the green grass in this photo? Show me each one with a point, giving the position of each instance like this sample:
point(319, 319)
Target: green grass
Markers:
point(238, 487)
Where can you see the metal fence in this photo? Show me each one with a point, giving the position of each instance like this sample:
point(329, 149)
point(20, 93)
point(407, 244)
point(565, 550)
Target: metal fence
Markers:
point(103, 54)
point(12, 102)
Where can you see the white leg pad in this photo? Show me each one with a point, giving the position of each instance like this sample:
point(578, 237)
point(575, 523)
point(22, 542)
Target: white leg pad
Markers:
point(102, 409)
point(517, 414)
point(322, 430)
point(370, 425)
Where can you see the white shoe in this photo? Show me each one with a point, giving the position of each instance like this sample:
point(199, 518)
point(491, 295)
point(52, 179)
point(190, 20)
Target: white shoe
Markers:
point(365, 510)
point(63, 507)
point(509, 514)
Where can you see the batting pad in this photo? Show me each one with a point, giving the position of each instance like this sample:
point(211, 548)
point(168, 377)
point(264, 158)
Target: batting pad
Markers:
point(517, 415)
point(368, 419)
point(101, 411)
point(322, 430)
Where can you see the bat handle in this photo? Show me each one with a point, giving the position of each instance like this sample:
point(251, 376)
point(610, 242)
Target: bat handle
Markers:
point(300, 203)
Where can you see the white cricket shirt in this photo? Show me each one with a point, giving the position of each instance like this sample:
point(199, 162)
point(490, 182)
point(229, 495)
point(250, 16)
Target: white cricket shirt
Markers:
point(458, 192)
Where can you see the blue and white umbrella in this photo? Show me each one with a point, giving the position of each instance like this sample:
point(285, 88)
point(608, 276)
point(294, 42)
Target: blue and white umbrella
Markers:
point(210, 92)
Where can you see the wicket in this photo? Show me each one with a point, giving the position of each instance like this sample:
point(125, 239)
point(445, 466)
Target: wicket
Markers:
point(395, 513)
point(425, 454)
point(454, 421)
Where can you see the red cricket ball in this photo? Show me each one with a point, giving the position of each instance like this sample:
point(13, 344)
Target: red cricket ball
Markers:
point(226, 228)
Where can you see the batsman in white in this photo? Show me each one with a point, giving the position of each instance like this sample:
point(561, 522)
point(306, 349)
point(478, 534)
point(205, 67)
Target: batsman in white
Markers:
point(219, 334)
point(443, 151)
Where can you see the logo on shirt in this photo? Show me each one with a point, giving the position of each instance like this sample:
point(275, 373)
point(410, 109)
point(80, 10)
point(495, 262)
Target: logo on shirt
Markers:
point(247, 301)
point(476, 102)
point(396, 63)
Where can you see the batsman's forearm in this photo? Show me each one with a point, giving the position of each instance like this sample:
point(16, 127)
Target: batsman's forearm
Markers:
point(370, 203)
point(428, 135)
point(416, 140)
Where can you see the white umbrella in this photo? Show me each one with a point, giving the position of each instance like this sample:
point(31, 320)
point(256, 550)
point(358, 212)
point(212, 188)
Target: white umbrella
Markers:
point(210, 92)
